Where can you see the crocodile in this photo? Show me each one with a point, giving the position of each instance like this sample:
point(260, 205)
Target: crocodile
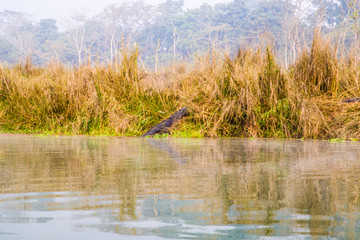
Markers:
point(165, 125)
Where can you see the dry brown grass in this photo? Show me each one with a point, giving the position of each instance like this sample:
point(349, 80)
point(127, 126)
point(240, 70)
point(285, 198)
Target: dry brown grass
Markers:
point(247, 95)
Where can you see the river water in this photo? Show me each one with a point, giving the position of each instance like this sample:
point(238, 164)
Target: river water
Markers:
point(136, 188)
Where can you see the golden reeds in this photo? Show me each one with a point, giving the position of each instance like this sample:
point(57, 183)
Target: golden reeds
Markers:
point(247, 95)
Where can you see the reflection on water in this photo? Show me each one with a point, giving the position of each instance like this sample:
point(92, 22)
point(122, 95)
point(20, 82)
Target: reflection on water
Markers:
point(135, 188)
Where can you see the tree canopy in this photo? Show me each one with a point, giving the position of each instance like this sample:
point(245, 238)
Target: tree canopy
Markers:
point(167, 33)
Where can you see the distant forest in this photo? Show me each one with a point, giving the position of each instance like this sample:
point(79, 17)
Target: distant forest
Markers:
point(167, 33)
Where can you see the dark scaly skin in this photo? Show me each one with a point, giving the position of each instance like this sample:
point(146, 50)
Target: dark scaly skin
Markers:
point(165, 125)
point(349, 100)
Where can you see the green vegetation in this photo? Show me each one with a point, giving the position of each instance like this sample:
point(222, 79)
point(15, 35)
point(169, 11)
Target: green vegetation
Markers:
point(336, 140)
point(159, 136)
point(249, 95)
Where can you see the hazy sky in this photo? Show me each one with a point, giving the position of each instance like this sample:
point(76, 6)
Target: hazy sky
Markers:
point(62, 9)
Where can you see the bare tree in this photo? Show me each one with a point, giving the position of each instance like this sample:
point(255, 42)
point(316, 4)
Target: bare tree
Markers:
point(175, 39)
point(157, 50)
point(125, 21)
point(295, 15)
point(78, 34)
point(18, 29)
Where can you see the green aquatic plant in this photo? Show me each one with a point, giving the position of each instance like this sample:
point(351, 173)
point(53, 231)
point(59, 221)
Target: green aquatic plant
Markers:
point(159, 136)
point(336, 140)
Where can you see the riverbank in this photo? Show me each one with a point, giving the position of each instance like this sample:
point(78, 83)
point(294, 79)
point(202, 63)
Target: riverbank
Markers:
point(248, 95)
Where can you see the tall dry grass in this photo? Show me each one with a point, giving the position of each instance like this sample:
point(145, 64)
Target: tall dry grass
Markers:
point(249, 95)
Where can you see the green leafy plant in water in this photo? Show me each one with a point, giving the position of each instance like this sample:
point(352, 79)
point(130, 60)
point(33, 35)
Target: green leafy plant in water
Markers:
point(336, 140)
point(159, 136)
point(187, 134)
